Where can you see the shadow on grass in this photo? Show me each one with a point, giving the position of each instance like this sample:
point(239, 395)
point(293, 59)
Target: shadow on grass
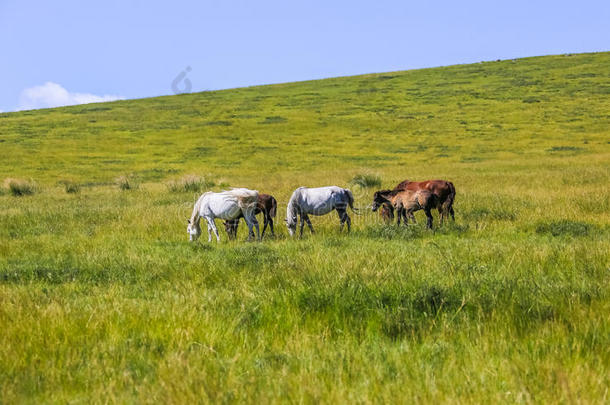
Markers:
point(412, 231)
point(482, 213)
point(252, 255)
point(566, 227)
point(393, 231)
point(410, 308)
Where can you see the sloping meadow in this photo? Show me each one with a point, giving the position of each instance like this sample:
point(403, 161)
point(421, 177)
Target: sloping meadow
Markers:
point(103, 299)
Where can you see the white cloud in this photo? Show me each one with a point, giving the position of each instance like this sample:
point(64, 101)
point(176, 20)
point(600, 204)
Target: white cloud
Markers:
point(53, 95)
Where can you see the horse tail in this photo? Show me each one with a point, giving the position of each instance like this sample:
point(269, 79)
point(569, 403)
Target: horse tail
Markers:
point(273, 209)
point(451, 197)
point(350, 201)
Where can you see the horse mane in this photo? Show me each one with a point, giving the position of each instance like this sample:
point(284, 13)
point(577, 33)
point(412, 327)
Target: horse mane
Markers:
point(195, 214)
point(390, 193)
point(291, 213)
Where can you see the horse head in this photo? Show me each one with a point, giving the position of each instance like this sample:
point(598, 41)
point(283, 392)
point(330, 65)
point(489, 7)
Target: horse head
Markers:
point(194, 230)
point(291, 213)
point(379, 198)
point(291, 224)
point(231, 228)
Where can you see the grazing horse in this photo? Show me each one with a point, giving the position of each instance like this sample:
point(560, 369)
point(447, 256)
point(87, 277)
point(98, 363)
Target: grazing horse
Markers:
point(443, 190)
point(318, 201)
point(265, 204)
point(406, 202)
point(226, 205)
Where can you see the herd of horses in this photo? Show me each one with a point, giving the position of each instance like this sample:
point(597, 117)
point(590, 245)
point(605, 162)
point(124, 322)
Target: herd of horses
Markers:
point(400, 202)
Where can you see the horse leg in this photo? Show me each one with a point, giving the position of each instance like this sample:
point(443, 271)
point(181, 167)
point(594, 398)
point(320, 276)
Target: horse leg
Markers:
point(399, 214)
point(252, 223)
point(341, 213)
point(209, 231)
point(250, 229)
point(230, 229)
point(265, 223)
point(271, 226)
point(212, 224)
point(429, 215)
point(302, 225)
point(250, 226)
point(406, 214)
point(344, 219)
point(235, 229)
point(348, 220)
point(309, 223)
point(452, 213)
point(389, 213)
point(412, 216)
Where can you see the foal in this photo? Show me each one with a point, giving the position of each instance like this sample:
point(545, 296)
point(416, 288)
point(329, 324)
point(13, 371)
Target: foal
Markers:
point(443, 190)
point(406, 202)
point(267, 205)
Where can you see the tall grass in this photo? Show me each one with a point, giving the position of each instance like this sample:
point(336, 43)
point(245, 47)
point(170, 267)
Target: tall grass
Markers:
point(102, 298)
point(127, 182)
point(366, 180)
point(20, 187)
point(70, 186)
point(190, 183)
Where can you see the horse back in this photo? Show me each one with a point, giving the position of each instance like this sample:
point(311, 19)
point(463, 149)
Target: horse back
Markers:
point(411, 198)
point(319, 200)
point(403, 198)
point(402, 185)
point(442, 189)
point(427, 199)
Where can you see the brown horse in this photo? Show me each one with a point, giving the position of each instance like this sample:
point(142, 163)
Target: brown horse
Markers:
point(443, 190)
point(406, 202)
point(267, 205)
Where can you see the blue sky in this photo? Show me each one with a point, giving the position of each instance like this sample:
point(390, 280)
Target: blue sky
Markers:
point(63, 52)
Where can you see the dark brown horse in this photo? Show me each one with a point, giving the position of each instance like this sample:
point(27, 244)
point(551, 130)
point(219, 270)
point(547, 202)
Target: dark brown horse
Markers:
point(406, 202)
point(443, 190)
point(267, 205)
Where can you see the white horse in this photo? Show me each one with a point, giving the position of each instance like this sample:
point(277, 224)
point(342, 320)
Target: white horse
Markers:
point(226, 205)
point(318, 201)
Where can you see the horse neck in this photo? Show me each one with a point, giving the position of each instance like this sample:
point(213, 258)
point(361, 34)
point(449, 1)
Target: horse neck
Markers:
point(291, 209)
point(389, 196)
point(195, 215)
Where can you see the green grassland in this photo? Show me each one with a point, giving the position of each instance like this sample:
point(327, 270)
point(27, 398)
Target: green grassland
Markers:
point(102, 298)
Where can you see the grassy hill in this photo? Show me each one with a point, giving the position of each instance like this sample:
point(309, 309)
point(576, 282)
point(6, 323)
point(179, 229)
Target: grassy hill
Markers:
point(103, 299)
point(496, 112)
